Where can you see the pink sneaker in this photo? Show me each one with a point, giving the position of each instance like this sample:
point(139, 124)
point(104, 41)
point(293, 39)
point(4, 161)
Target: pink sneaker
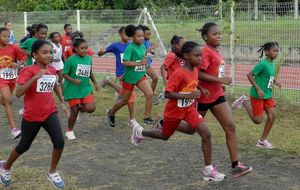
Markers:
point(16, 133)
point(136, 137)
point(264, 144)
point(239, 102)
point(213, 175)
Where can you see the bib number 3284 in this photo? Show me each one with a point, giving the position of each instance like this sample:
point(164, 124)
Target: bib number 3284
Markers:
point(83, 70)
point(8, 73)
point(140, 68)
point(46, 83)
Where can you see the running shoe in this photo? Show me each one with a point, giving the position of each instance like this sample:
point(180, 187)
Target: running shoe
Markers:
point(213, 175)
point(70, 135)
point(136, 137)
point(56, 180)
point(240, 170)
point(5, 175)
point(105, 81)
point(239, 102)
point(264, 144)
point(148, 121)
point(16, 133)
point(111, 119)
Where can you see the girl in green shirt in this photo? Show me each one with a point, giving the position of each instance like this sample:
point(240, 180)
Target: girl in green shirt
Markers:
point(135, 61)
point(77, 89)
point(262, 78)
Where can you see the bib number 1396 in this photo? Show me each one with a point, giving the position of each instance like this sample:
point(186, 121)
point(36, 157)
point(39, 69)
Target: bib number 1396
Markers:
point(8, 73)
point(46, 83)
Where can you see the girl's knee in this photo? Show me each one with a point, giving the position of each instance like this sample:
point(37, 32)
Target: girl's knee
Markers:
point(59, 143)
point(230, 128)
point(149, 95)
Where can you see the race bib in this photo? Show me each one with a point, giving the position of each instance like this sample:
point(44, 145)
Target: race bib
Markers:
point(271, 81)
point(83, 70)
point(183, 103)
point(46, 83)
point(122, 55)
point(8, 73)
point(140, 68)
point(221, 71)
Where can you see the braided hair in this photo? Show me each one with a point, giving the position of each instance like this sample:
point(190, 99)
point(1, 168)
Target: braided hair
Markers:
point(267, 46)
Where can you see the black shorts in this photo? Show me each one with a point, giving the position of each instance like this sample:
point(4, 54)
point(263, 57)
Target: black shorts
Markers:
point(205, 107)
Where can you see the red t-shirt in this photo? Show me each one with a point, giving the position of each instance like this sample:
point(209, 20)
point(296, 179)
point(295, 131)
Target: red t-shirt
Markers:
point(182, 81)
point(69, 52)
point(172, 63)
point(11, 53)
point(213, 64)
point(65, 42)
point(38, 100)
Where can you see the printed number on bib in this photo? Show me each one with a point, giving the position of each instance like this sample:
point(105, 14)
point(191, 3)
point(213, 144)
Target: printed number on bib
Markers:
point(183, 103)
point(222, 70)
point(83, 70)
point(46, 83)
point(121, 56)
point(140, 68)
point(8, 73)
point(271, 81)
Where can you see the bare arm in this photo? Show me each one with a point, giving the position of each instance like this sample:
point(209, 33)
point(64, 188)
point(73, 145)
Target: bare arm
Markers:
point(26, 52)
point(164, 73)
point(209, 78)
point(254, 84)
point(131, 63)
point(102, 51)
point(175, 95)
point(74, 81)
point(92, 77)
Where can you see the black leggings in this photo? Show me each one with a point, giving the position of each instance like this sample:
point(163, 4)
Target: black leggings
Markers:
point(31, 129)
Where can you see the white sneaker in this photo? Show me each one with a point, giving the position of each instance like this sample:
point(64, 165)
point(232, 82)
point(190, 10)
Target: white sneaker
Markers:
point(132, 122)
point(239, 102)
point(16, 133)
point(213, 175)
point(161, 96)
point(264, 144)
point(56, 180)
point(70, 135)
point(5, 175)
point(136, 137)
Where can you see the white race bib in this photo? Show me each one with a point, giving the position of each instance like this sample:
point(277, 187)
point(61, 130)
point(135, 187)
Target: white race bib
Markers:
point(46, 83)
point(271, 81)
point(221, 70)
point(140, 68)
point(121, 56)
point(8, 73)
point(83, 70)
point(183, 103)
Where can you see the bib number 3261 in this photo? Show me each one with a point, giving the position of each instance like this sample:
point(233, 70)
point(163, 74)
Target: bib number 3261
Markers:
point(8, 73)
point(83, 70)
point(46, 83)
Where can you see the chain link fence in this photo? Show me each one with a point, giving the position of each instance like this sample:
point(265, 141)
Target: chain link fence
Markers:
point(254, 24)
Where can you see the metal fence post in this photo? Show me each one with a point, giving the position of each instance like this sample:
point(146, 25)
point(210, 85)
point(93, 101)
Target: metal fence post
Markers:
point(78, 19)
point(296, 8)
point(232, 66)
point(25, 23)
point(255, 9)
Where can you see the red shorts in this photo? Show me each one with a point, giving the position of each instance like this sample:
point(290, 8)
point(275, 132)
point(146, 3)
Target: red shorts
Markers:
point(132, 96)
point(10, 83)
point(130, 87)
point(192, 117)
point(259, 105)
point(85, 100)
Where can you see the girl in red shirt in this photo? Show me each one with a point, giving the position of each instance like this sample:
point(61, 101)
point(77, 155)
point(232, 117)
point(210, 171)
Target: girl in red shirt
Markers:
point(11, 57)
point(182, 92)
point(36, 83)
point(66, 41)
point(212, 77)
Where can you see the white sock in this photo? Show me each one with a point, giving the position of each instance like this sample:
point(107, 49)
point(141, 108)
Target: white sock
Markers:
point(208, 168)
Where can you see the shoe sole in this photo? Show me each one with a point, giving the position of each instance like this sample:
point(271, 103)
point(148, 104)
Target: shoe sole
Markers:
point(212, 179)
point(18, 136)
point(243, 173)
point(108, 118)
point(261, 146)
point(48, 178)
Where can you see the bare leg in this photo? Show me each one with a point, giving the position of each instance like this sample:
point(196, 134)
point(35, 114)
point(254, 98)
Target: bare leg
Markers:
point(73, 116)
point(155, 134)
point(204, 132)
point(56, 154)
point(88, 107)
point(11, 159)
point(145, 87)
point(120, 103)
point(153, 75)
point(269, 123)
point(6, 101)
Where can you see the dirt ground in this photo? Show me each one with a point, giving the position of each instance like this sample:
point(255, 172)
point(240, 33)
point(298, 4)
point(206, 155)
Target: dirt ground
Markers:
point(103, 158)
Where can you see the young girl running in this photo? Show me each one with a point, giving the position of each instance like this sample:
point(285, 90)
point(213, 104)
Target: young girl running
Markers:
point(77, 89)
point(182, 92)
point(41, 33)
point(118, 49)
point(135, 61)
point(69, 52)
point(66, 41)
point(150, 71)
point(57, 62)
point(262, 79)
point(37, 83)
point(211, 77)
point(11, 58)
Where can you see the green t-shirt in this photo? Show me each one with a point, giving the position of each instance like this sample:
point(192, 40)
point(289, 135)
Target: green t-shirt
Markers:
point(134, 53)
point(264, 72)
point(27, 45)
point(78, 68)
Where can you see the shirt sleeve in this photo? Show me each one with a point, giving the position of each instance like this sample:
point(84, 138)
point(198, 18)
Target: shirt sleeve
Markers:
point(24, 76)
point(173, 82)
point(205, 61)
point(20, 55)
point(127, 54)
point(258, 68)
point(67, 67)
point(110, 48)
point(170, 58)
point(24, 45)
